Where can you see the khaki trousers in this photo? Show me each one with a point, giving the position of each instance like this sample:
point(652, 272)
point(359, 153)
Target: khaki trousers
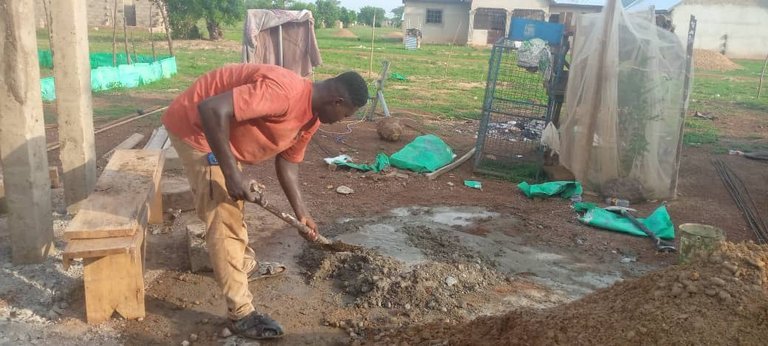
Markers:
point(226, 236)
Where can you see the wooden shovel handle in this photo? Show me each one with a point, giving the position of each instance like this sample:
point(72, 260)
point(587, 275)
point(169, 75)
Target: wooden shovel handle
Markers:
point(288, 218)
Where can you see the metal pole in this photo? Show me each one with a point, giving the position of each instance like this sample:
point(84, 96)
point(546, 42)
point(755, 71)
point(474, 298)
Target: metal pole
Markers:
point(684, 108)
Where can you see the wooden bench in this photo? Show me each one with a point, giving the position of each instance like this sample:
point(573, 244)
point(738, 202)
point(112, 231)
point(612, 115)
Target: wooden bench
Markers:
point(108, 233)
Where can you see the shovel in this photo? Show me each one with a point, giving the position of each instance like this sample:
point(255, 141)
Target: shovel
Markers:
point(320, 242)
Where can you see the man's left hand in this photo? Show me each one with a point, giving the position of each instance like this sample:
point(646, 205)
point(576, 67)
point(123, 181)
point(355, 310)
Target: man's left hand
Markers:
point(309, 222)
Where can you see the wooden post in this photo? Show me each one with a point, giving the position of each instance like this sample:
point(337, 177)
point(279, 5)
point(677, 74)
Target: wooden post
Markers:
point(762, 76)
point(373, 35)
point(114, 34)
point(72, 70)
point(22, 136)
point(151, 34)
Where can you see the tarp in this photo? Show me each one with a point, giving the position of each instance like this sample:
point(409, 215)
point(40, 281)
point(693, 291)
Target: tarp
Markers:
point(564, 189)
point(262, 44)
point(658, 222)
point(123, 76)
point(381, 163)
point(99, 59)
point(426, 153)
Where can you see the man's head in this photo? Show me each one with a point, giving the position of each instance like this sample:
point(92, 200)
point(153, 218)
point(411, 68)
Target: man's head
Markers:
point(339, 97)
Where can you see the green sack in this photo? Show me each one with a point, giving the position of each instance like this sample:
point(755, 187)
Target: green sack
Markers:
point(381, 163)
point(564, 189)
point(425, 154)
point(658, 222)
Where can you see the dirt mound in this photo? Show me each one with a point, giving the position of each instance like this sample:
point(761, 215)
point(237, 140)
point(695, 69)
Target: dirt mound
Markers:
point(720, 299)
point(394, 35)
point(344, 33)
point(710, 60)
point(373, 280)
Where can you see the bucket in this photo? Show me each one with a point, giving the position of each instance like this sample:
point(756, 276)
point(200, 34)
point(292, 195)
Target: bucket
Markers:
point(697, 239)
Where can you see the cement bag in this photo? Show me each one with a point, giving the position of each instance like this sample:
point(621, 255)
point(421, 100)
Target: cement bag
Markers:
point(425, 154)
point(624, 104)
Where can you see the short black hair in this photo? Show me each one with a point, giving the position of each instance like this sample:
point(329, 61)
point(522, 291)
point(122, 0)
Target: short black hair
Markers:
point(355, 86)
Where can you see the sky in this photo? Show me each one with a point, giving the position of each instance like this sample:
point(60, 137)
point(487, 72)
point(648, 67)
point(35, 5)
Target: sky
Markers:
point(387, 5)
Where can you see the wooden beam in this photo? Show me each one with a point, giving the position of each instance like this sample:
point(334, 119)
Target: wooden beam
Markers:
point(119, 203)
point(158, 139)
point(128, 143)
point(22, 136)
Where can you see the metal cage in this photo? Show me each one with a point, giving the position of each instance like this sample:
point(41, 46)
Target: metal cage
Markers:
point(516, 109)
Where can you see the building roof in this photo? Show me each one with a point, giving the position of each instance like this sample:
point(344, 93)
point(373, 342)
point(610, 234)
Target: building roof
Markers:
point(595, 3)
point(441, 1)
point(659, 5)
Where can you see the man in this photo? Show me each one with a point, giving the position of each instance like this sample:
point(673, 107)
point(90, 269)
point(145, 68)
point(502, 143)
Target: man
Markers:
point(248, 113)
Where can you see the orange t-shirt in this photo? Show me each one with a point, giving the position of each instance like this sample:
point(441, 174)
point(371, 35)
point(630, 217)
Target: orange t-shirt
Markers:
point(273, 112)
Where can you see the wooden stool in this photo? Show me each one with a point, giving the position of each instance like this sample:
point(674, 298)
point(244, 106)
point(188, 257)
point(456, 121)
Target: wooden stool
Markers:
point(109, 231)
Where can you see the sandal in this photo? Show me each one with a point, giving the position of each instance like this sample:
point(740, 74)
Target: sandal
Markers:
point(256, 326)
point(264, 270)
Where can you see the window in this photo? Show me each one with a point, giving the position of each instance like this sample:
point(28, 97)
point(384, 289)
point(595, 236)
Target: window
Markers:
point(434, 16)
point(490, 19)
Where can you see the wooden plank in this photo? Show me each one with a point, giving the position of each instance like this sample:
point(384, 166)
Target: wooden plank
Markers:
point(454, 164)
point(114, 209)
point(91, 248)
point(158, 139)
point(128, 143)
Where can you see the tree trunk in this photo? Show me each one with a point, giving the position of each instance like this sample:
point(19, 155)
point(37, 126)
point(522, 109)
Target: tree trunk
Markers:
point(166, 24)
point(214, 30)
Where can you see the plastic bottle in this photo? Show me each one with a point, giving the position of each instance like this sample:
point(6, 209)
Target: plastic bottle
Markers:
point(617, 202)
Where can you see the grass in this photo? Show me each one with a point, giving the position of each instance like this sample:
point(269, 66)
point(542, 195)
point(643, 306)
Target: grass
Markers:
point(699, 132)
point(443, 80)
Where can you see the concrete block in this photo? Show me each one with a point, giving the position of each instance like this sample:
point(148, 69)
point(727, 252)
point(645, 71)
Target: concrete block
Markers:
point(198, 250)
point(177, 194)
point(172, 160)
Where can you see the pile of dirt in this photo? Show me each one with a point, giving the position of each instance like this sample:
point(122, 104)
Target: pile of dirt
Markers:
point(345, 33)
point(397, 35)
point(373, 280)
point(417, 293)
point(719, 299)
point(710, 60)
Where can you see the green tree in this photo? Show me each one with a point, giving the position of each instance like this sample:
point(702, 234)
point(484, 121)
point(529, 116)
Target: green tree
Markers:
point(397, 16)
point(348, 17)
point(218, 12)
point(327, 12)
point(367, 13)
point(184, 15)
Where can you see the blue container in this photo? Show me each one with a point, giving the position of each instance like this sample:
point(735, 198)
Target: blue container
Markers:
point(526, 29)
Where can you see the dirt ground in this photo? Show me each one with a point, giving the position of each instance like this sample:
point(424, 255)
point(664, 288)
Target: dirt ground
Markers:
point(445, 253)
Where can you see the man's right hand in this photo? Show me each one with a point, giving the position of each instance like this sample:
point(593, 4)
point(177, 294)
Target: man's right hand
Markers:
point(239, 189)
